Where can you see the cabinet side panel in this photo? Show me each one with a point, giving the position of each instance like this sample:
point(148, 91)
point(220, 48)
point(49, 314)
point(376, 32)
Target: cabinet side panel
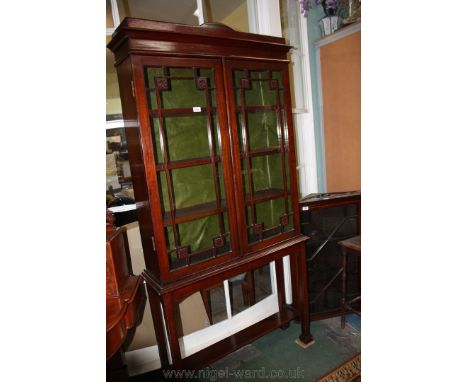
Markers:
point(132, 132)
point(292, 149)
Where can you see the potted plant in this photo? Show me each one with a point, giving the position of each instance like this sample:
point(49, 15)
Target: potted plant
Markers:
point(331, 21)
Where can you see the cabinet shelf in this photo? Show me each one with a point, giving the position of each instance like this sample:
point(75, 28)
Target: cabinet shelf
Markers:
point(198, 211)
point(257, 108)
point(185, 111)
point(265, 195)
point(188, 163)
point(263, 151)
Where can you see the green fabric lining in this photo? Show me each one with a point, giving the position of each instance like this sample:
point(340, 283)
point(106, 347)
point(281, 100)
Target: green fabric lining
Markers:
point(187, 137)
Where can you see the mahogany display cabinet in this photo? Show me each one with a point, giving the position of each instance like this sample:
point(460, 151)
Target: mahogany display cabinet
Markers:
point(328, 218)
point(207, 112)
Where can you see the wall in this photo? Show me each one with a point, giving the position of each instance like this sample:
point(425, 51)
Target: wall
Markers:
point(113, 104)
point(350, 176)
point(341, 94)
point(238, 19)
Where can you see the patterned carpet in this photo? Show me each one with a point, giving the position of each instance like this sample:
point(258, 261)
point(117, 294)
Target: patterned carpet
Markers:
point(350, 371)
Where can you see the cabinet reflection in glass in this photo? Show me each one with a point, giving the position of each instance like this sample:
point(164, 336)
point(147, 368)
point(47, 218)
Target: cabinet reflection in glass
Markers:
point(210, 306)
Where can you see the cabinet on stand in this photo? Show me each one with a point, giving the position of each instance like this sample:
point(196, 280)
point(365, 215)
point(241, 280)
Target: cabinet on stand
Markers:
point(210, 138)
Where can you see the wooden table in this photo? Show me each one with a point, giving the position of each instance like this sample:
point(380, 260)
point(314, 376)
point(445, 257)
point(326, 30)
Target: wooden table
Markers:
point(353, 245)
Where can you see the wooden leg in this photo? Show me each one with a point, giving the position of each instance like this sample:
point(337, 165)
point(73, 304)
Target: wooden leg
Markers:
point(248, 289)
point(344, 289)
point(127, 252)
point(116, 369)
point(280, 283)
point(280, 287)
point(155, 304)
point(305, 337)
point(231, 296)
point(169, 316)
point(293, 261)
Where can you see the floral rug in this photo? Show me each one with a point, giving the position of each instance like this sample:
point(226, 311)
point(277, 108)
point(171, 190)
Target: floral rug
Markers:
point(350, 371)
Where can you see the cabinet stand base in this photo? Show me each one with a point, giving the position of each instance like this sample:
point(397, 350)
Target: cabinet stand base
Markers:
point(244, 337)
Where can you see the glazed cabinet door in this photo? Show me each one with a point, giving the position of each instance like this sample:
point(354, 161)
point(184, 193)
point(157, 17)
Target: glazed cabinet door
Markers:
point(184, 109)
point(260, 113)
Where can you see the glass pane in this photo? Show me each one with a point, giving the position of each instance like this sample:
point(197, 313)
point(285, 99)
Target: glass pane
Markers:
point(245, 176)
point(249, 288)
point(176, 96)
point(269, 212)
point(209, 74)
point(277, 75)
point(263, 129)
point(232, 13)
point(267, 172)
point(259, 91)
point(181, 72)
point(178, 89)
point(290, 225)
point(272, 217)
point(201, 310)
point(177, 129)
point(187, 137)
point(199, 234)
point(153, 72)
point(183, 94)
point(260, 94)
point(200, 237)
point(191, 186)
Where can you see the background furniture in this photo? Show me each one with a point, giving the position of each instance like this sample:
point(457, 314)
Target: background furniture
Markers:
point(125, 301)
point(210, 141)
point(328, 219)
point(349, 245)
point(247, 285)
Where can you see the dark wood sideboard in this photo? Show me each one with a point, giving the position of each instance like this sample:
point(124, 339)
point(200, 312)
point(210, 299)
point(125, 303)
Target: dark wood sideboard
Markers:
point(125, 301)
